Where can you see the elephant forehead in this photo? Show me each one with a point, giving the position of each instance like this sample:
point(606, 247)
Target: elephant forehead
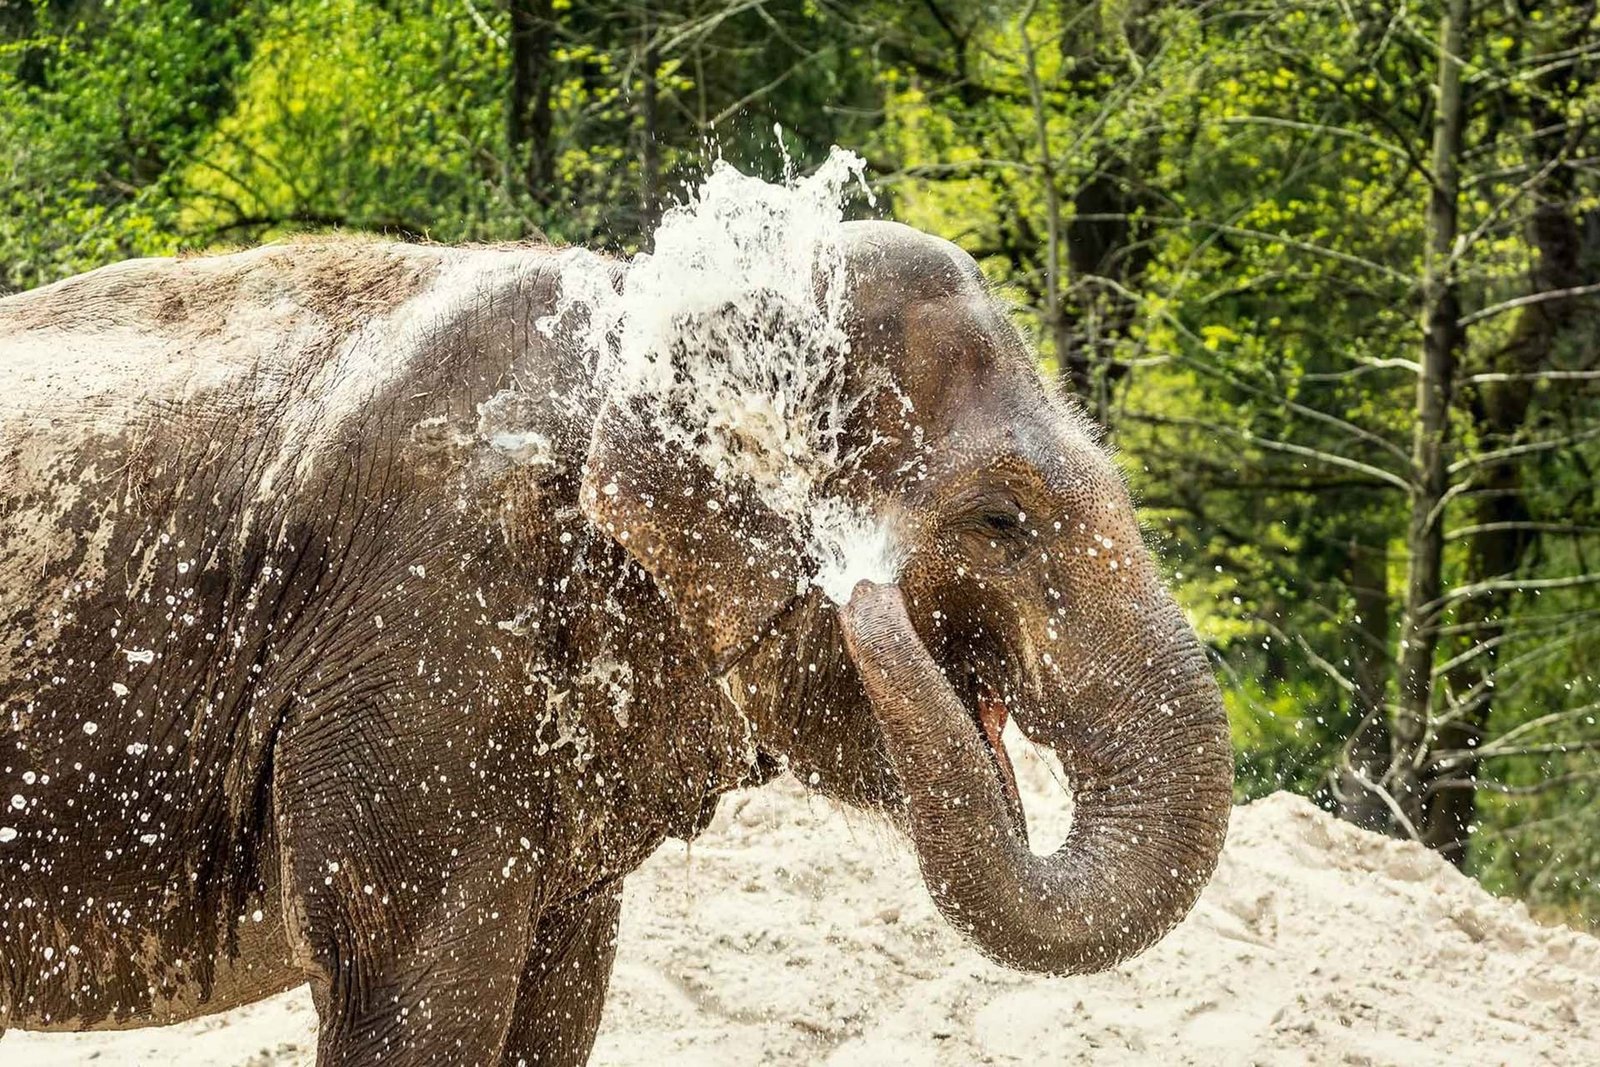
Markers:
point(959, 368)
point(920, 310)
point(892, 266)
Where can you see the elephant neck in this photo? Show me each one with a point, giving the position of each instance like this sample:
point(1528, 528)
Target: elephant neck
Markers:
point(807, 714)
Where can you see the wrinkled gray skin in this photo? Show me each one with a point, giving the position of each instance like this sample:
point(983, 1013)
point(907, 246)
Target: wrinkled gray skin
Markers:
point(346, 637)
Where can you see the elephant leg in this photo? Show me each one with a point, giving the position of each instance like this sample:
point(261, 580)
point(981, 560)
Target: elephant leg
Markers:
point(564, 982)
point(414, 1008)
point(410, 920)
point(439, 988)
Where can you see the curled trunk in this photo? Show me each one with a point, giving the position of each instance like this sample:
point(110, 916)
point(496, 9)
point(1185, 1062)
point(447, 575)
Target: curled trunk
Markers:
point(1151, 779)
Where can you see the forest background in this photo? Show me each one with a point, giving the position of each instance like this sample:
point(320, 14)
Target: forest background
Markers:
point(1327, 271)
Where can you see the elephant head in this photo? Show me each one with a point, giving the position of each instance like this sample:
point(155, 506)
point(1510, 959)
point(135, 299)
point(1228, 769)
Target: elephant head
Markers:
point(1020, 588)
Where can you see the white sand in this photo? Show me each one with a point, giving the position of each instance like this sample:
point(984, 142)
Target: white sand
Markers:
point(794, 933)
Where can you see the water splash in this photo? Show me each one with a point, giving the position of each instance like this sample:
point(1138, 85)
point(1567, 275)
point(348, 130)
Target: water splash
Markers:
point(847, 546)
point(731, 337)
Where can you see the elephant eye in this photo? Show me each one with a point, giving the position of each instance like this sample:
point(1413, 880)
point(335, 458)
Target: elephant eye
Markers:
point(1002, 523)
point(994, 533)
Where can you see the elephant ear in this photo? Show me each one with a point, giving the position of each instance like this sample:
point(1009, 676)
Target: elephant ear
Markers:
point(727, 563)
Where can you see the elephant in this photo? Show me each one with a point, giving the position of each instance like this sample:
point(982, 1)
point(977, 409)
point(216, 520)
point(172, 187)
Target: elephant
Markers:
point(350, 636)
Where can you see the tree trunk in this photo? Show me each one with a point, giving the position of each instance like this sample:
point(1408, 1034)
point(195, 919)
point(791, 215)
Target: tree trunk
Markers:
point(1443, 341)
point(1102, 236)
point(1366, 759)
point(1450, 804)
point(529, 121)
point(650, 133)
point(1055, 321)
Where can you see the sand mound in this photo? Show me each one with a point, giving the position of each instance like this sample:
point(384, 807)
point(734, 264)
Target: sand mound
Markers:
point(792, 932)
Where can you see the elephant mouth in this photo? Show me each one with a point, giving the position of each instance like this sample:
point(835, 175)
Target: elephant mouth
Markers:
point(989, 712)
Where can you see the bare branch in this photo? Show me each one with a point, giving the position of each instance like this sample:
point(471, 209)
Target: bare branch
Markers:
point(483, 25)
point(1382, 793)
point(1554, 748)
point(1558, 528)
point(1542, 786)
point(1513, 451)
point(1540, 723)
point(1321, 664)
point(1525, 301)
point(1367, 367)
point(1345, 425)
point(1330, 458)
point(1526, 623)
point(1512, 585)
point(1242, 231)
point(1536, 376)
point(1310, 127)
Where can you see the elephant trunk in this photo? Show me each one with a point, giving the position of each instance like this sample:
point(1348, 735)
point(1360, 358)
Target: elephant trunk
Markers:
point(1151, 777)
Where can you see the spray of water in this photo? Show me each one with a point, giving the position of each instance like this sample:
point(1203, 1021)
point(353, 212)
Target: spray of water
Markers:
point(731, 337)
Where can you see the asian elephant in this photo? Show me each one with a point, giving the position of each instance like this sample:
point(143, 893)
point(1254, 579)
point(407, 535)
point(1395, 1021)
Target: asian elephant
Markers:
point(349, 635)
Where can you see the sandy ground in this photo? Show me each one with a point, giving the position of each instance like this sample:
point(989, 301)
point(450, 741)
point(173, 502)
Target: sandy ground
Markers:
point(792, 933)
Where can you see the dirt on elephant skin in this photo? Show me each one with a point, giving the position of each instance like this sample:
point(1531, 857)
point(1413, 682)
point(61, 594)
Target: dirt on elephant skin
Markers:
point(794, 932)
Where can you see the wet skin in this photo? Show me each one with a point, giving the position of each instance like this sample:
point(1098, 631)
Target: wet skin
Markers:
point(299, 698)
point(310, 672)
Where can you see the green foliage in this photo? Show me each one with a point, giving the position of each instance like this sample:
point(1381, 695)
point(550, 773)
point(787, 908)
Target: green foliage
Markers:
point(350, 114)
point(1277, 744)
point(100, 109)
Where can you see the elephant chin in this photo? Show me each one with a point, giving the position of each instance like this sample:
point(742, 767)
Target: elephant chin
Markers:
point(1152, 789)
